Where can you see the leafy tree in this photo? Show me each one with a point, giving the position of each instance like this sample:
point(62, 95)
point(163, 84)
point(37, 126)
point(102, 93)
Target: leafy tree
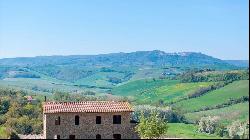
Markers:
point(238, 130)
point(114, 80)
point(61, 96)
point(11, 134)
point(164, 112)
point(4, 106)
point(221, 131)
point(22, 125)
point(151, 127)
point(208, 124)
point(18, 115)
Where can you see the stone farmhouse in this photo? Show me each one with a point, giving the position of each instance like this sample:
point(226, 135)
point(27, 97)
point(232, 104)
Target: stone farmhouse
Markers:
point(88, 120)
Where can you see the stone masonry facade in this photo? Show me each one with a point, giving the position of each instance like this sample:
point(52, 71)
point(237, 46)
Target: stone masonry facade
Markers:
point(87, 127)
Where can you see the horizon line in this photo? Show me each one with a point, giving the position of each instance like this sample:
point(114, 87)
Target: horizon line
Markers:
point(66, 55)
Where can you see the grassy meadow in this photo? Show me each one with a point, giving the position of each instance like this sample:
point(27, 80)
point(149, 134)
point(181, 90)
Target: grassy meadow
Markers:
point(149, 91)
point(187, 131)
point(226, 115)
point(3, 132)
point(234, 90)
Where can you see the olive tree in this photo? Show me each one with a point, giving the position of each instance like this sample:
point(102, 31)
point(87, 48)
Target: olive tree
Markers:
point(152, 126)
point(238, 130)
point(208, 124)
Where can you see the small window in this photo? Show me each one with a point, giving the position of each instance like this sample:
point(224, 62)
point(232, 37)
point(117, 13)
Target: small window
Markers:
point(77, 120)
point(117, 119)
point(58, 121)
point(72, 137)
point(98, 136)
point(117, 136)
point(98, 119)
point(57, 137)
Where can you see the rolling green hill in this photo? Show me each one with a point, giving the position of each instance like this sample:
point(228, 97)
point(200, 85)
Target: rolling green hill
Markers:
point(153, 78)
point(226, 115)
point(187, 131)
point(155, 91)
point(235, 90)
point(106, 71)
point(139, 58)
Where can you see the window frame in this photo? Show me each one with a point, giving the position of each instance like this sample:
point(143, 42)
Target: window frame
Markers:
point(77, 119)
point(98, 136)
point(72, 137)
point(98, 120)
point(117, 119)
point(115, 136)
point(58, 121)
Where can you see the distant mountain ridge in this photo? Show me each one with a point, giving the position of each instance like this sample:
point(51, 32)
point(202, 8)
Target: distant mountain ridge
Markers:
point(139, 58)
point(238, 63)
point(102, 72)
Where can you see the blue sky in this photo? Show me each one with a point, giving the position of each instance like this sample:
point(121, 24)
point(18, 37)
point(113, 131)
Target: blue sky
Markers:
point(219, 28)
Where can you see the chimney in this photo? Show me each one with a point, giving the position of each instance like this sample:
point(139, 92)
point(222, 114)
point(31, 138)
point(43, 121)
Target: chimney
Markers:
point(45, 98)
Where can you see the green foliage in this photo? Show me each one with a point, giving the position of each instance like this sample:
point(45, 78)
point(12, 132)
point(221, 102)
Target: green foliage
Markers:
point(8, 133)
point(12, 135)
point(114, 80)
point(221, 131)
point(208, 76)
point(208, 124)
point(67, 78)
point(158, 92)
point(226, 114)
point(165, 113)
point(238, 130)
point(4, 106)
point(65, 96)
point(3, 133)
point(61, 96)
point(151, 127)
point(19, 115)
point(21, 124)
point(235, 90)
point(187, 131)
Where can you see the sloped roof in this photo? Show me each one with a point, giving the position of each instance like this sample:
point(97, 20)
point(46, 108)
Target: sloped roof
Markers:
point(88, 106)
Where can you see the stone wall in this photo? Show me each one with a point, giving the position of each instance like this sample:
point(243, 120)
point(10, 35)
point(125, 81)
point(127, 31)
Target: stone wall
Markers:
point(88, 129)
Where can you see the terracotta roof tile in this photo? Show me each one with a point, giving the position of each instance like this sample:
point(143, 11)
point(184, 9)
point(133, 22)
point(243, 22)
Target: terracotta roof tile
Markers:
point(88, 106)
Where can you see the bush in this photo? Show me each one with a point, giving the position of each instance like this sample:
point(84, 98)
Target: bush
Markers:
point(238, 130)
point(114, 80)
point(152, 127)
point(166, 113)
point(11, 134)
point(2, 119)
point(4, 106)
point(21, 125)
point(221, 131)
point(208, 124)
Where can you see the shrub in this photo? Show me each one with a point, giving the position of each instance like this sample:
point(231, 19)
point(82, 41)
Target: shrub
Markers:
point(11, 134)
point(208, 124)
point(238, 130)
point(164, 112)
point(221, 131)
point(2, 119)
point(151, 127)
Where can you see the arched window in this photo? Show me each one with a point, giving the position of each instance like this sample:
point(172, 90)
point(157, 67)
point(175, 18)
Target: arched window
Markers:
point(76, 120)
point(98, 136)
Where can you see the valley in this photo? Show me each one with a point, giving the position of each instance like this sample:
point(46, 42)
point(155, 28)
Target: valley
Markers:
point(190, 85)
